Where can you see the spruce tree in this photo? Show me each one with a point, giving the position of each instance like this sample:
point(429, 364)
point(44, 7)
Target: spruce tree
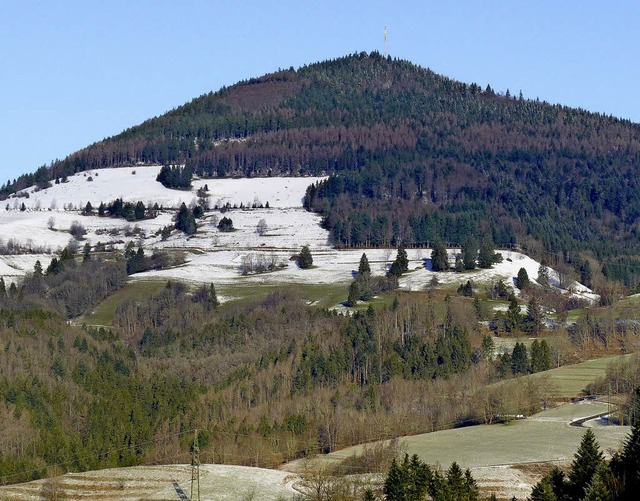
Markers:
point(628, 462)
point(305, 259)
point(439, 257)
point(402, 259)
point(543, 491)
point(534, 318)
point(519, 359)
point(487, 254)
point(364, 270)
point(599, 488)
point(586, 461)
point(469, 253)
point(522, 279)
point(354, 294)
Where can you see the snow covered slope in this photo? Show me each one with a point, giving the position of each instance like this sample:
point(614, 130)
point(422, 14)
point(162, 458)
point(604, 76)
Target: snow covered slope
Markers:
point(212, 256)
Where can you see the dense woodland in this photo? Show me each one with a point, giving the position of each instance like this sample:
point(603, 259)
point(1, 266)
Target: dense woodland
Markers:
point(414, 157)
point(265, 382)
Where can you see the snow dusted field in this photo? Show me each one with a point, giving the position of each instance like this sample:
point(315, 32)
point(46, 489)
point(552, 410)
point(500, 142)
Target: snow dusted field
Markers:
point(217, 483)
point(212, 256)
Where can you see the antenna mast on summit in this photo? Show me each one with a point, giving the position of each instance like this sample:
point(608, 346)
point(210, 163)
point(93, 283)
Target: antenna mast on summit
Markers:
point(386, 33)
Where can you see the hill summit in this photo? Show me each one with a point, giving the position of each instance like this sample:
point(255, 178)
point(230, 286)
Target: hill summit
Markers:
point(413, 157)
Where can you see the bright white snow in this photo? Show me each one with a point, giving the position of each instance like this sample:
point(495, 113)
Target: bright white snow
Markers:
point(214, 256)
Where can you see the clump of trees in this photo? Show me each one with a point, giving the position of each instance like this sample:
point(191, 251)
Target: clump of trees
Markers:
point(186, 220)
point(365, 285)
point(225, 225)
point(175, 176)
point(413, 480)
point(126, 210)
point(591, 477)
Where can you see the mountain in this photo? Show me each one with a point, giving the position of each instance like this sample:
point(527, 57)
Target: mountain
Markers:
point(414, 157)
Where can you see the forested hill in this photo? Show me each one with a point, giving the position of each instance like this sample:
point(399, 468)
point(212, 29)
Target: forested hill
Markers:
point(417, 157)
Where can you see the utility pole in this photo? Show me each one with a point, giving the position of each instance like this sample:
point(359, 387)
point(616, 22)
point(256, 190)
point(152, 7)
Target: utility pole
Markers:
point(195, 468)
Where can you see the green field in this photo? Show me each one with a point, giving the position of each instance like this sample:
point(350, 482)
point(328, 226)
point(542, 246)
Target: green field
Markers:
point(103, 313)
point(545, 437)
point(571, 380)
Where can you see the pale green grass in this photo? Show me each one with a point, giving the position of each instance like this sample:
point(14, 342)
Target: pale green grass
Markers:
point(545, 437)
point(104, 313)
point(572, 380)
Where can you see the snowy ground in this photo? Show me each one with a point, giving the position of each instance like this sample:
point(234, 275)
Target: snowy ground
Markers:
point(213, 256)
point(217, 483)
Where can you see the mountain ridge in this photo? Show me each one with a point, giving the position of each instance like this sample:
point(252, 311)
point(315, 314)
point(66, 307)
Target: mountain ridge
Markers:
point(427, 157)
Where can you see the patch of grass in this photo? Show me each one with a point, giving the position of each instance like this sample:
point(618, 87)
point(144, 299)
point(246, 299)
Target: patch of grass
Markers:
point(320, 295)
point(103, 313)
point(572, 380)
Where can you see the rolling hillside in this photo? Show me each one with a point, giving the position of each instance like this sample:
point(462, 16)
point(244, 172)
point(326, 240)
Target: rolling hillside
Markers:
point(414, 157)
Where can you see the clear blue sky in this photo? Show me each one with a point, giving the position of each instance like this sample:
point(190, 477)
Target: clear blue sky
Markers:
point(76, 71)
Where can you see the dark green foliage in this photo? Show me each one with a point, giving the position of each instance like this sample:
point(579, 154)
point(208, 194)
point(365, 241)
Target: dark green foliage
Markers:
point(599, 489)
point(408, 481)
point(354, 293)
point(519, 359)
point(543, 491)
point(206, 296)
point(511, 320)
point(533, 321)
point(626, 465)
point(364, 270)
point(487, 347)
point(487, 255)
point(466, 289)
point(540, 356)
point(400, 265)
point(305, 259)
point(165, 233)
point(586, 462)
point(225, 224)
point(522, 279)
point(435, 158)
point(139, 210)
point(175, 176)
point(125, 210)
point(186, 222)
point(439, 258)
point(136, 260)
point(454, 485)
point(469, 253)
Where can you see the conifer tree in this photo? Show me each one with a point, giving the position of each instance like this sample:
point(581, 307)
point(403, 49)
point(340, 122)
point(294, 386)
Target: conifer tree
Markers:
point(522, 279)
point(305, 259)
point(627, 464)
point(487, 254)
point(534, 318)
point(439, 258)
point(354, 294)
point(364, 270)
point(519, 359)
point(543, 491)
point(469, 253)
point(598, 489)
point(543, 274)
point(586, 461)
